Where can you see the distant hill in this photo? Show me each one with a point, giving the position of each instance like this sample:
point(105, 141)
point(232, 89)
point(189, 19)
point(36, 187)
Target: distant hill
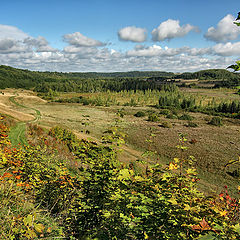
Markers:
point(18, 78)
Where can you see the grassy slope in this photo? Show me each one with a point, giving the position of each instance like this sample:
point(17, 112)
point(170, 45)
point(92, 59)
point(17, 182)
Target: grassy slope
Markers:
point(17, 133)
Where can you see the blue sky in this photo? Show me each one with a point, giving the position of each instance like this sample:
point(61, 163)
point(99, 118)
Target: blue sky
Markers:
point(76, 35)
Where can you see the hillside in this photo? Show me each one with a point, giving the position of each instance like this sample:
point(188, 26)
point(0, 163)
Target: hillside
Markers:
point(86, 179)
point(117, 81)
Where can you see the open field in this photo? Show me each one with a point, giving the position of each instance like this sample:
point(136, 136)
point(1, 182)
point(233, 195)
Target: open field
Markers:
point(212, 146)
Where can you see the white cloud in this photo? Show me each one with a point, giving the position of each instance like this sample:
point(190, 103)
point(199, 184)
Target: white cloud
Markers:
point(227, 49)
point(12, 46)
point(109, 60)
point(155, 50)
point(171, 29)
point(40, 43)
point(12, 32)
point(6, 44)
point(225, 30)
point(78, 40)
point(133, 34)
point(82, 54)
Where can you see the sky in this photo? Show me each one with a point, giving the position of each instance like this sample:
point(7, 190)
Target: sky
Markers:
point(112, 36)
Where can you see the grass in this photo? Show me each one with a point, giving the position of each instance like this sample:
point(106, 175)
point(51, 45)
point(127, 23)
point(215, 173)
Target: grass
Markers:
point(17, 134)
point(212, 147)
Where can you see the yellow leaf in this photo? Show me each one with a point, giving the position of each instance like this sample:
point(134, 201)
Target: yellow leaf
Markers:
point(238, 188)
point(139, 179)
point(173, 201)
point(39, 227)
point(145, 235)
point(176, 160)
point(173, 166)
point(187, 207)
point(223, 213)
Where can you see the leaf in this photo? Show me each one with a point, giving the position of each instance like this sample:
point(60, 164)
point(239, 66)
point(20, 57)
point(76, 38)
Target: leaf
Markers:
point(237, 228)
point(30, 234)
point(124, 174)
point(209, 236)
point(202, 226)
point(187, 207)
point(173, 201)
point(28, 220)
point(39, 227)
point(139, 179)
point(173, 166)
point(223, 213)
point(238, 17)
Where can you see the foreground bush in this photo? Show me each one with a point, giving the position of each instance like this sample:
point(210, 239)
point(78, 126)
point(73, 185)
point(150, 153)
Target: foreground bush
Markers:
point(102, 198)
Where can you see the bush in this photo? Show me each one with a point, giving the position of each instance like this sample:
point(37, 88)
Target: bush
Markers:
point(153, 118)
point(164, 112)
point(186, 117)
point(216, 121)
point(192, 124)
point(140, 114)
point(172, 116)
point(167, 124)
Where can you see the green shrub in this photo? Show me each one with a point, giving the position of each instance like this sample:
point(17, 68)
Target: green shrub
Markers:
point(153, 118)
point(216, 121)
point(140, 114)
point(186, 117)
point(164, 112)
point(192, 124)
point(172, 116)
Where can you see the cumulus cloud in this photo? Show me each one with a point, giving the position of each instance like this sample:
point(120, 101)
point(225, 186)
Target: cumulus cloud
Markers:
point(79, 40)
point(83, 54)
point(171, 29)
point(155, 50)
point(132, 34)
point(12, 46)
point(12, 32)
point(14, 40)
point(227, 49)
point(109, 60)
point(225, 30)
point(40, 43)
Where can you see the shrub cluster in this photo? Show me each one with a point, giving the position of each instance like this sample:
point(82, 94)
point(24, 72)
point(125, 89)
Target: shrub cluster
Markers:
point(102, 198)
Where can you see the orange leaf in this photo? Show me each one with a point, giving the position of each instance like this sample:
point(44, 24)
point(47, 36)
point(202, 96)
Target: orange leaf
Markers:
point(203, 226)
point(7, 175)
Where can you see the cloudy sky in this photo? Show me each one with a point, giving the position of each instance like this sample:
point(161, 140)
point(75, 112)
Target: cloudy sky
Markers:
point(112, 35)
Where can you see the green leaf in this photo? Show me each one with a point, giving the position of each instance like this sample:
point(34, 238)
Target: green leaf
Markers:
point(209, 236)
point(28, 220)
point(39, 227)
point(237, 228)
point(173, 201)
point(124, 174)
point(139, 179)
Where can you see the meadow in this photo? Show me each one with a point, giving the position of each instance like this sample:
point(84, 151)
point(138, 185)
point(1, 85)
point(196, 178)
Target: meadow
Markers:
point(212, 146)
point(111, 154)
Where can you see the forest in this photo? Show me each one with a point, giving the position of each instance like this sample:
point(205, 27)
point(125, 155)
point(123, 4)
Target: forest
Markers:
point(97, 82)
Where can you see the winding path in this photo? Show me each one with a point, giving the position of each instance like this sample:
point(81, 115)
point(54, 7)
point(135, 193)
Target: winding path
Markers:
point(17, 133)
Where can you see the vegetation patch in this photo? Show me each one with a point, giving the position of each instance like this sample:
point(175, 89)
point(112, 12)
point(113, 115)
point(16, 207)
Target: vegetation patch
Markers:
point(216, 121)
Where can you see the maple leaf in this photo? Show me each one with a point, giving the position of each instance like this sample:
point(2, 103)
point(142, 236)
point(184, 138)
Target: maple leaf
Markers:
point(202, 226)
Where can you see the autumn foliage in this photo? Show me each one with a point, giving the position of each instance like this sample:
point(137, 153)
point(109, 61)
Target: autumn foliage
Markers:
point(91, 195)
